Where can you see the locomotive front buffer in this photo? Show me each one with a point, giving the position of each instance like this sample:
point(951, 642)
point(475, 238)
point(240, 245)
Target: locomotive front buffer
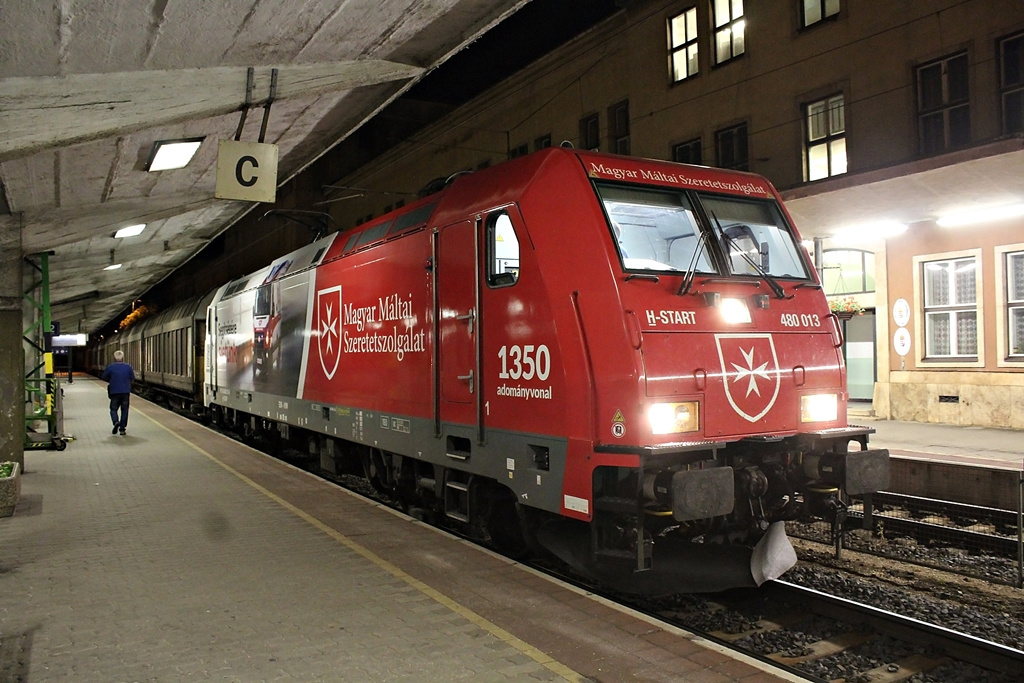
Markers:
point(710, 514)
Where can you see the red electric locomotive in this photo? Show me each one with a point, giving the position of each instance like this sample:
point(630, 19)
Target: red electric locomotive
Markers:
point(630, 363)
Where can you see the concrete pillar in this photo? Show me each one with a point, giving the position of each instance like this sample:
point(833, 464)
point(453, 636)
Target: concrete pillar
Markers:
point(12, 354)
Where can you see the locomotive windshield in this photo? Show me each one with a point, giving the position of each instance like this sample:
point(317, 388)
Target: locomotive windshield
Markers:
point(755, 237)
point(655, 229)
point(659, 230)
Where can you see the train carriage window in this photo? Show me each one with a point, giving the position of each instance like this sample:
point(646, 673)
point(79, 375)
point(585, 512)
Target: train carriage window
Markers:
point(502, 251)
point(655, 229)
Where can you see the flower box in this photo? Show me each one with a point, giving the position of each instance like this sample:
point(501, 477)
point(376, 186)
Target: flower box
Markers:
point(10, 490)
point(845, 308)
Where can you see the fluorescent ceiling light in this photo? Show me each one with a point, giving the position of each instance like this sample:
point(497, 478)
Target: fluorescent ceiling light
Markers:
point(113, 266)
point(130, 231)
point(871, 230)
point(168, 154)
point(981, 215)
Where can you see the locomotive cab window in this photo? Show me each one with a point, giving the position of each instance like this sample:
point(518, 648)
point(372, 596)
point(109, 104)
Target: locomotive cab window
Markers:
point(755, 237)
point(502, 251)
point(655, 230)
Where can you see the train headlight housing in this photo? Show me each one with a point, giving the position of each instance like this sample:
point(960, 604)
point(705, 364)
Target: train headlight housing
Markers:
point(734, 311)
point(674, 418)
point(819, 408)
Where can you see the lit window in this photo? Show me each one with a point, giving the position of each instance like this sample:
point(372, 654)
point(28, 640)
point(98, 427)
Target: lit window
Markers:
point(1011, 83)
point(682, 39)
point(816, 10)
point(1015, 302)
point(826, 138)
point(847, 271)
point(943, 104)
point(950, 308)
point(729, 29)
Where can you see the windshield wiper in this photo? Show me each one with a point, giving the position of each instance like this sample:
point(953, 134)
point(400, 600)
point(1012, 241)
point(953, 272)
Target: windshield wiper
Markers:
point(691, 270)
point(776, 288)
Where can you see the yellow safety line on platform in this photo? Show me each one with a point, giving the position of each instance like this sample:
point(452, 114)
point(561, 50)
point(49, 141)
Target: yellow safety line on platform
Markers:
point(466, 613)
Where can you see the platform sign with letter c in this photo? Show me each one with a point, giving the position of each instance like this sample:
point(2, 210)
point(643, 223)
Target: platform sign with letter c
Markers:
point(246, 171)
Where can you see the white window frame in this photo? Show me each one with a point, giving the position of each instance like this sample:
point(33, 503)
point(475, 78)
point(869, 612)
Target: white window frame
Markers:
point(827, 8)
point(1003, 355)
point(683, 47)
point(832, 138)
point(922, 361)
point(729, 21)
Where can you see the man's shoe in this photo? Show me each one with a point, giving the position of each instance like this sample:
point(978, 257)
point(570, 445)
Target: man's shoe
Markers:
point(122, 432)
point(114, 430)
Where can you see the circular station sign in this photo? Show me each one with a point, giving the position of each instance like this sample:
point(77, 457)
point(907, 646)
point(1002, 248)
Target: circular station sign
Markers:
point(901, 312)
point(901, 341)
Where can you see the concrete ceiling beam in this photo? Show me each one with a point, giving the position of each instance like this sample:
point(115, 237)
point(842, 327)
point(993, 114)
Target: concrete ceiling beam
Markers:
point(43, 113)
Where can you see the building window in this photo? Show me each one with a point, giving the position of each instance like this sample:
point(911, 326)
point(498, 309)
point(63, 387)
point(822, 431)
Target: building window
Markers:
point(847, 271)
point(826, 138)
point(1011, 83)
point(950, 308)
point(1015, 302)
point(543, 142)
point(817, 10)
point(590, 133)
point(521, 150)
point(731, 148)
point(682, 44)
point(618, 119)
point(689, 152)
point(943, 104)
point(729, 26)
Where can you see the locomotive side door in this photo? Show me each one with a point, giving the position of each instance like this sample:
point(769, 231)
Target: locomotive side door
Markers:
point(457, 317)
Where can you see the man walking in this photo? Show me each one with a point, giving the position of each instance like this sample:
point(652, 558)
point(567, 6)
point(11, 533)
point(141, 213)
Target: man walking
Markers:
point(119, 376)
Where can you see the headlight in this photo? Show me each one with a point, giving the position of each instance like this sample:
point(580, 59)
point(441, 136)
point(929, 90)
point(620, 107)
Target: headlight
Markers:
point(674, 418)
point(734, 311)
point(819, 408)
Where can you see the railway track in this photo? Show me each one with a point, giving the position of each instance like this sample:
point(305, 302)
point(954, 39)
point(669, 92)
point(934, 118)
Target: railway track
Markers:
point(930, 520)
point(826, 638)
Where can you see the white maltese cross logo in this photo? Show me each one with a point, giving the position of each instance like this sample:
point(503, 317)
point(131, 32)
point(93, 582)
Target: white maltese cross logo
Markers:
point(750, 373)
point(328, 310)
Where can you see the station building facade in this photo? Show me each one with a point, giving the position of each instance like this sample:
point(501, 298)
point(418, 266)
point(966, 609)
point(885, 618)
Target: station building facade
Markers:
point(894, 130)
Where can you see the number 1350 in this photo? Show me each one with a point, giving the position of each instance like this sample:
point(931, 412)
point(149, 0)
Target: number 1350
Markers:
point(525, 362)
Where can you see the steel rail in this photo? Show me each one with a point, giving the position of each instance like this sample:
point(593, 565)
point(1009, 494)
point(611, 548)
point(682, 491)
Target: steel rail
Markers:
point(962, 646)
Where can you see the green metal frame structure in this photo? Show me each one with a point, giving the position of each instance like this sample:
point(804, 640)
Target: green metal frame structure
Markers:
point(42, 388)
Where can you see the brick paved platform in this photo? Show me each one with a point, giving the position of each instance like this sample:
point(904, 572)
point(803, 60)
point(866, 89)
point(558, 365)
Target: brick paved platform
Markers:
point(174, 553)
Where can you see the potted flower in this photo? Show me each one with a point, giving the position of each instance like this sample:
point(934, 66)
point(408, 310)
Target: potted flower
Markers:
point(10, 487)
point(845, 308)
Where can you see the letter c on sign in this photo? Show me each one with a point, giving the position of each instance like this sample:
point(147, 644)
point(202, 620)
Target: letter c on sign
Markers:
point(238, 171)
